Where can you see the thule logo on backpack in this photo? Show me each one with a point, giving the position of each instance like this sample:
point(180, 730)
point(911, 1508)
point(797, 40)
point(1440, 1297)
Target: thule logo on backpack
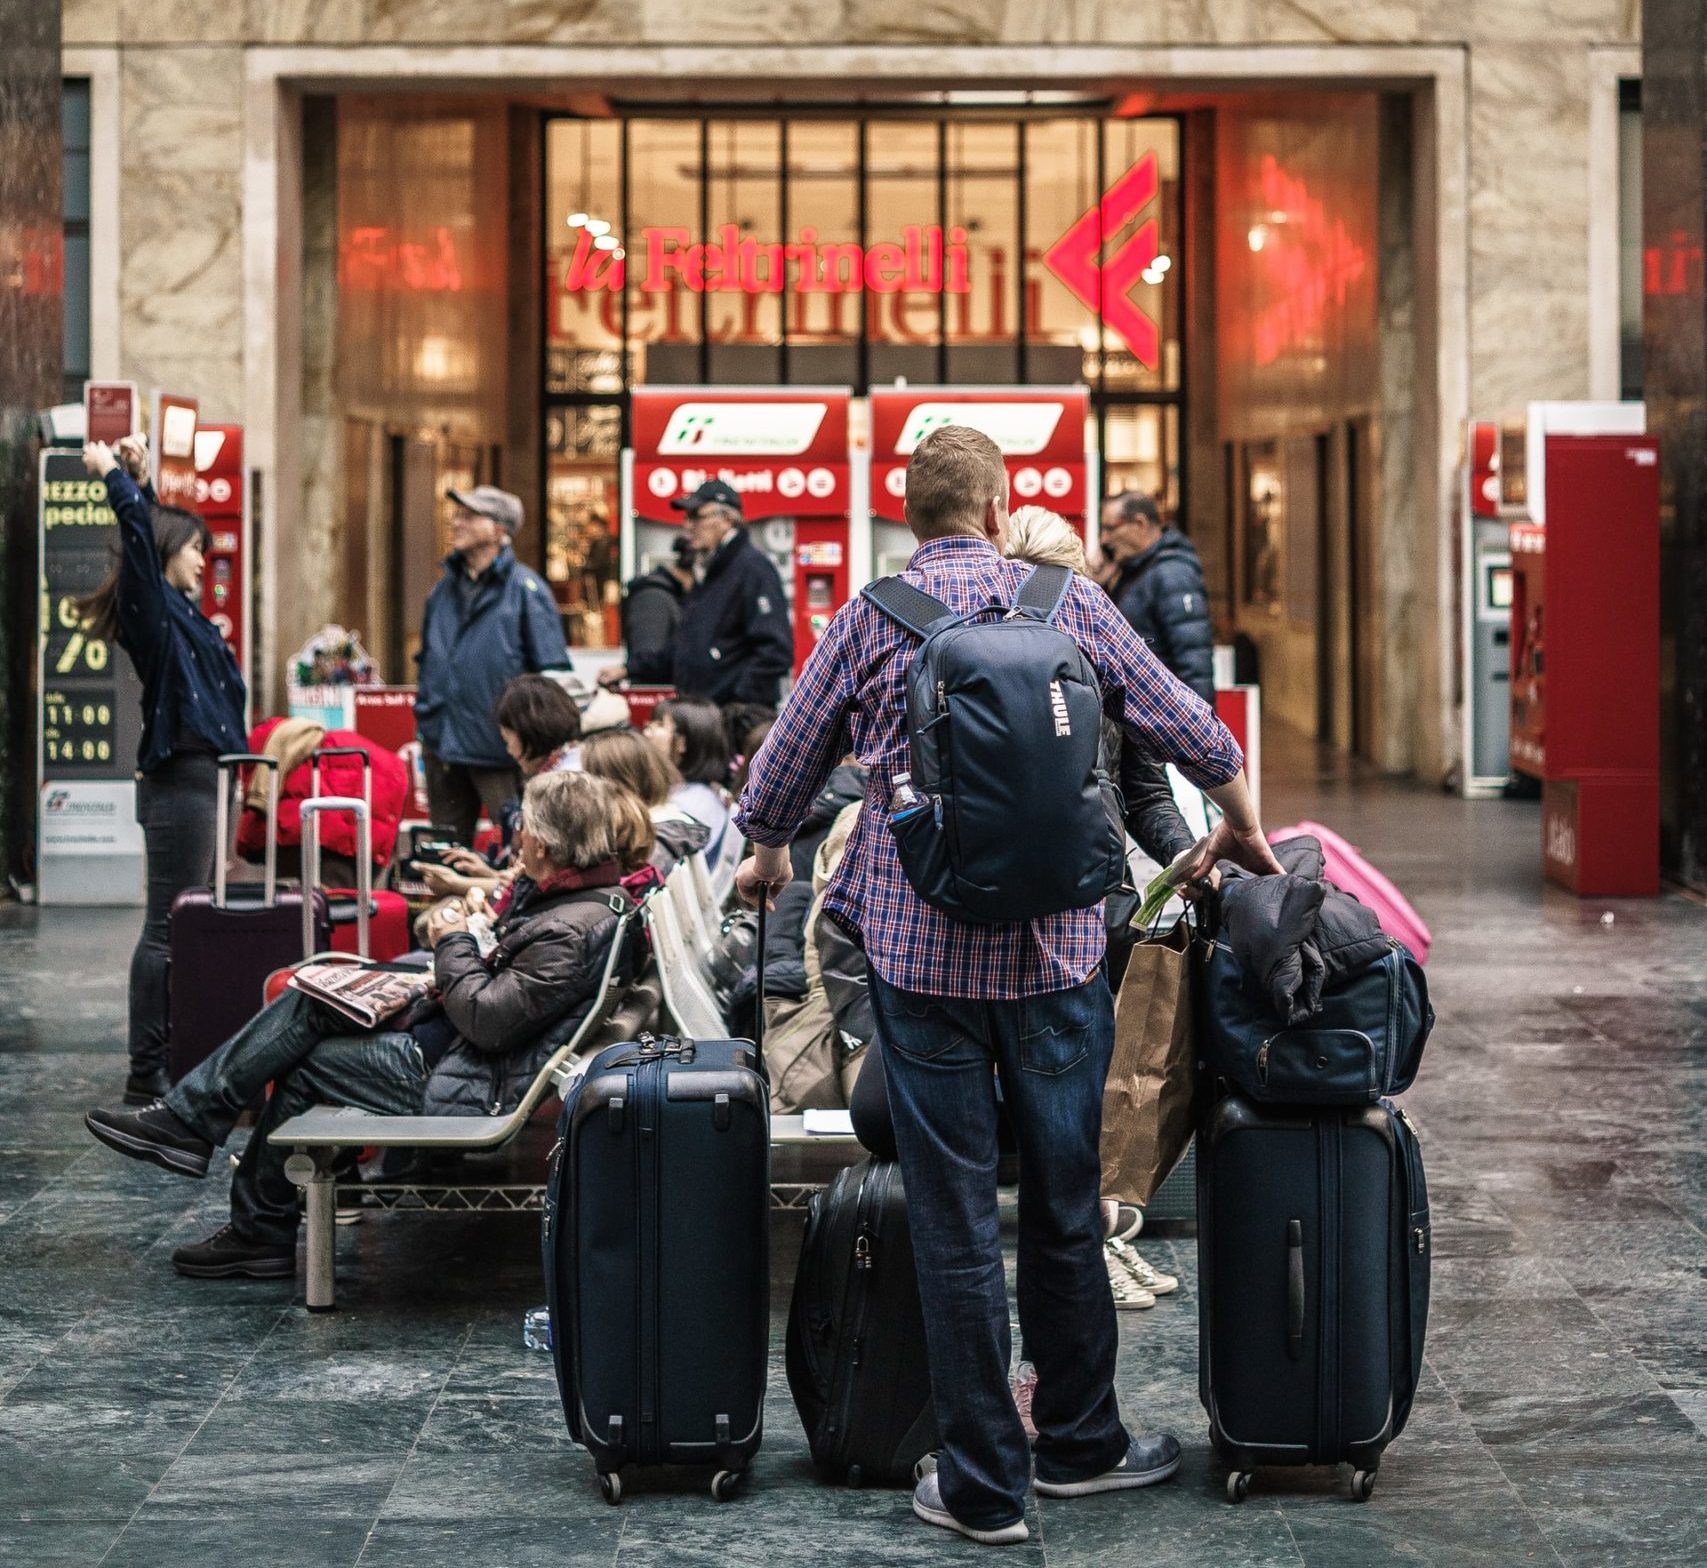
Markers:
point(1058, 706)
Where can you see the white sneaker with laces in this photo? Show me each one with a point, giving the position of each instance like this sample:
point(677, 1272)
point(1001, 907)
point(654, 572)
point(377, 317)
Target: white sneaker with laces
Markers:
point(1143, 1275)
point(1129, 1295)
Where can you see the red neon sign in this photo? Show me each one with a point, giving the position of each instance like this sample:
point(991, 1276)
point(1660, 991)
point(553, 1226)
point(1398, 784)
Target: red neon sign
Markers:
point(924, 262)
point(1314, 262)
point(925, 259)
point(371, 258)
point(1106, 287)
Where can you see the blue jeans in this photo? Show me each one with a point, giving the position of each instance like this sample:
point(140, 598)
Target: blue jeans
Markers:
point(1052, 1052)
point(310, 1057)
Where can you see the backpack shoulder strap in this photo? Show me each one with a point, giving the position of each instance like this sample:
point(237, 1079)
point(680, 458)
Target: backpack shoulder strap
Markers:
point(907, 606)
point(1043, 590)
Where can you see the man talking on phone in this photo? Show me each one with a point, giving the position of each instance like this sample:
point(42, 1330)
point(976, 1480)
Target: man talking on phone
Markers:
point(955, 999)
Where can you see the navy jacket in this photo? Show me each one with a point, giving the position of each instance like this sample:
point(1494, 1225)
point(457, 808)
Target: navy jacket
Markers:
point(512, 628)
point(1161, 593)
point(192, 690)
point(735, 642)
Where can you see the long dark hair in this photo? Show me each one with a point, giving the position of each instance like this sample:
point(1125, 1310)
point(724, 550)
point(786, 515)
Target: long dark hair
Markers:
point(705, 747)
point(173, 529)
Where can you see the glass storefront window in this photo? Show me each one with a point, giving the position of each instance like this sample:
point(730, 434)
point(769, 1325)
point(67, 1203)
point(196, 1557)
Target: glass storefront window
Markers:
point(969, 251)
point(982, 188)
point(743, 182)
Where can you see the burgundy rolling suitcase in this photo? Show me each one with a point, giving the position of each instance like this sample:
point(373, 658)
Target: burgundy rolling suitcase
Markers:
point(223, 949)
point(388, 935)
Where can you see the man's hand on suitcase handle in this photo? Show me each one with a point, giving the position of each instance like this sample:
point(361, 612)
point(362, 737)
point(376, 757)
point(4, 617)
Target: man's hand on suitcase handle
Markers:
point(763, 874)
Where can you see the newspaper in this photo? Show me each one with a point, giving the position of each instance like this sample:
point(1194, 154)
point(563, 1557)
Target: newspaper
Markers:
point(365, 996)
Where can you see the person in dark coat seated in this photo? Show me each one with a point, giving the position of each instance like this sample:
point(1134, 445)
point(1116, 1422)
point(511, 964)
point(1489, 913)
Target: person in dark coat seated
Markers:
point(471, 1049)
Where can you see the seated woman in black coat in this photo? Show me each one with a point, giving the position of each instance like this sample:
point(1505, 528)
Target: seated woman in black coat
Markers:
point(471, 1049)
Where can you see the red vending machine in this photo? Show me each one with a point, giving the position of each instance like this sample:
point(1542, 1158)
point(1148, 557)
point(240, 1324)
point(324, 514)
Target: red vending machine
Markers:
point(1041, 431)
point(1586, 663)
point(222, 500)
point(784, 450)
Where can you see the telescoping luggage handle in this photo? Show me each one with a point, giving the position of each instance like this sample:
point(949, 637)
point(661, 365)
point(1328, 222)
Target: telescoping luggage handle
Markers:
point(222, 821)
point(361, 755)
point(312, 811)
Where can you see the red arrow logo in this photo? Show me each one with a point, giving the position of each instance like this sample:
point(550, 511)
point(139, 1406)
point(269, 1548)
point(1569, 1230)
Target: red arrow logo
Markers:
point(1106, 287)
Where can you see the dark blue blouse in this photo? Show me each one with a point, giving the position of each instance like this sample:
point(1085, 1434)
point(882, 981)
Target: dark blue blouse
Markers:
point(192, 690)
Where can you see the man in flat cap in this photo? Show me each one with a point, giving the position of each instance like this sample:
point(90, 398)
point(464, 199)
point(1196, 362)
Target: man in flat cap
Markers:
point(489, 618)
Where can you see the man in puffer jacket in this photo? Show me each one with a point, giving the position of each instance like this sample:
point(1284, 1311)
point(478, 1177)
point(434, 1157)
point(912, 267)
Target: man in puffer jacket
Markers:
point(471, 1051)
point(1158, 586)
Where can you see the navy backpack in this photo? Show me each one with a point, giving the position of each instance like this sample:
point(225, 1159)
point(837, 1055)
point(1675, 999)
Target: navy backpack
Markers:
point(1004, 722)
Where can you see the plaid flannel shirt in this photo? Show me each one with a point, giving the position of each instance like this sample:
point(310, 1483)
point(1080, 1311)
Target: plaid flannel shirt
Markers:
point(851, 696)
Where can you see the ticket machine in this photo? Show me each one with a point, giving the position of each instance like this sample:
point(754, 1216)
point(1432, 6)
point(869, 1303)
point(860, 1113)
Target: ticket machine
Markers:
point(784, 450)
point(1487, 740)
point(1041, 431)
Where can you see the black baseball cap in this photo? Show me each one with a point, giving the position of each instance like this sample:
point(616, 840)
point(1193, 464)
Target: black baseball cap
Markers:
point(712, 492)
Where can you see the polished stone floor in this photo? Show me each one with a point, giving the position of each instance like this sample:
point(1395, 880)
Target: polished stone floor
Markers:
point(146, 1419)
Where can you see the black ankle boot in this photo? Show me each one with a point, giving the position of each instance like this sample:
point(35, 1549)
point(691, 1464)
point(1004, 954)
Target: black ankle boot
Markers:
point(144, 1088)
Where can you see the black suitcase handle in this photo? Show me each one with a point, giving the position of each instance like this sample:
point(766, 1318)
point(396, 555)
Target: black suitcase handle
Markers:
point(1295, 1289)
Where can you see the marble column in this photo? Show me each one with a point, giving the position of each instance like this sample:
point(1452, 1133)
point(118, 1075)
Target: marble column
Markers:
point(1674, 200)
point(32, 326)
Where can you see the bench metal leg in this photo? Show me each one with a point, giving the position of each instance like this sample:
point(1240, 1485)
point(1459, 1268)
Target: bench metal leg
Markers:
point(313, 1173)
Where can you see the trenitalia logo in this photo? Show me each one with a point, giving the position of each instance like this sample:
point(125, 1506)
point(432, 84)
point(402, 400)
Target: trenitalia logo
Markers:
point(1106, 287)
point(1019, 429)
point(740, 429)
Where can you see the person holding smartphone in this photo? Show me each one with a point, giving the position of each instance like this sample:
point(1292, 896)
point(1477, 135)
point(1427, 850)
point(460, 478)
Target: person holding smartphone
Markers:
point(193, 699)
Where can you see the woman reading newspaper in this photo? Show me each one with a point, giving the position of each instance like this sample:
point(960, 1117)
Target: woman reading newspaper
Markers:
point(470, 1047)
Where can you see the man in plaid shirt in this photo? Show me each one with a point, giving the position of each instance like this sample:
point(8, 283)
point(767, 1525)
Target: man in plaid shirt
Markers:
point(952, 1000)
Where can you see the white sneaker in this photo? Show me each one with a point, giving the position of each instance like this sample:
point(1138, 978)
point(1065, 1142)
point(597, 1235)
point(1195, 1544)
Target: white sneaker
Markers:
point(1129, 1295)
point(1143, 1275)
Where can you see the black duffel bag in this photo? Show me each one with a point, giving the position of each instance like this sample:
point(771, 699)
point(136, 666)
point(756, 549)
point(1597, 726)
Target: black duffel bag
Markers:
point(1365, 1042)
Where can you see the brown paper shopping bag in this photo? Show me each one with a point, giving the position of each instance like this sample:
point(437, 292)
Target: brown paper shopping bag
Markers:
point(1148, 1109)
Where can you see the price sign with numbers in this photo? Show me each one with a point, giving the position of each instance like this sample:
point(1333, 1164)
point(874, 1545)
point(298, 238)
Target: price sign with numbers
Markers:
point(90, 714)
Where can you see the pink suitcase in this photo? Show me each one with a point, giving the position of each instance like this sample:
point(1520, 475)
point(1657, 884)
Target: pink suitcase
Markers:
point(1351, 873)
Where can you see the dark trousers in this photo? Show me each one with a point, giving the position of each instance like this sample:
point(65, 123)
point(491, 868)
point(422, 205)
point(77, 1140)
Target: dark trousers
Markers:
point(1052, 1052)
point(310, 1056)
point(455, 794)
point(175, 805)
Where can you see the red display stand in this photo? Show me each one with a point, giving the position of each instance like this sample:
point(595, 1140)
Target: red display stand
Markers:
point(1594, 569)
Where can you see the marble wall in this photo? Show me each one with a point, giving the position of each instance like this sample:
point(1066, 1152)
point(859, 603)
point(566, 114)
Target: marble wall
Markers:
point(1518, 156)
point(32, 324)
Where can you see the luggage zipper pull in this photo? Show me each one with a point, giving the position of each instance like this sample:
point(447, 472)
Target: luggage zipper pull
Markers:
point(1422, 1240)
point(1410, 1126)
point(941, 696)
point(1262, 1058)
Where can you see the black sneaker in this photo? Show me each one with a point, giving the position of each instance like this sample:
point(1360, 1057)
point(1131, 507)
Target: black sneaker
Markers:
point(228, 1254)
point(153, 1133)
point(146, 1088)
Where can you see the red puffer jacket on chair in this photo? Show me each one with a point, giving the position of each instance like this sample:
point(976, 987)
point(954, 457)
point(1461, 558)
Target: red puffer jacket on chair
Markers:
point(338, 776)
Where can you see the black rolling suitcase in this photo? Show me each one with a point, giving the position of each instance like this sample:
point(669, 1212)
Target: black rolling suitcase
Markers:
point(657, 1257)
point(857, 1365)
point(223, 949)
point(1313, 1260)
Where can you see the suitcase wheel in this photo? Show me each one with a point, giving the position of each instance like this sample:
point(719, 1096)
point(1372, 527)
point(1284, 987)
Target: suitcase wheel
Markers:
point(1362, 1485)
point(1239, 1486)
point(724, 1484)
point(855, 1476)
point(610, 1483)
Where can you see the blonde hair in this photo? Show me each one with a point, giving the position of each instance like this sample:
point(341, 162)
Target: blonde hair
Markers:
point(626, 758)
point(573, 818)
point(1045, 538)
point(632, 823)
point(952, 476)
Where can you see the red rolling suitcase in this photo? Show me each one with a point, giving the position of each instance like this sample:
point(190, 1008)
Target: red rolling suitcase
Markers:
point(388, 933)
point(223, 949)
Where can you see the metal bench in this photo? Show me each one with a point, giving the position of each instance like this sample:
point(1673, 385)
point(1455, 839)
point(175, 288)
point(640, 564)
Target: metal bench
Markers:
point(319, 1136)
